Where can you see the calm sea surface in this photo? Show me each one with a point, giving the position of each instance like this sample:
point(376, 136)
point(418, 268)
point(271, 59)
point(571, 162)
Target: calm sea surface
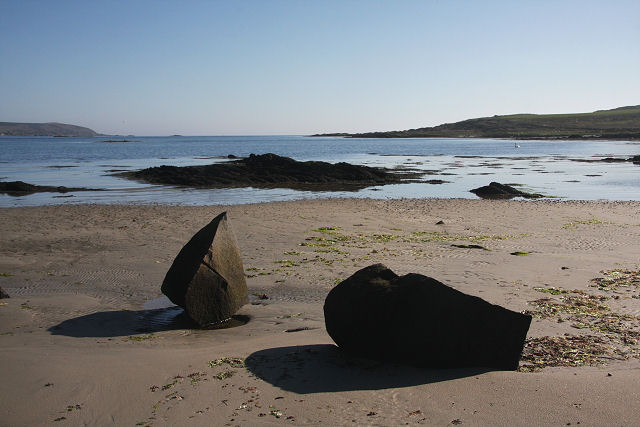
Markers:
point(553, 168)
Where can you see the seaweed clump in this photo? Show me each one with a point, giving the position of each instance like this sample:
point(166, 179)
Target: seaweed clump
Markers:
point(616, 279)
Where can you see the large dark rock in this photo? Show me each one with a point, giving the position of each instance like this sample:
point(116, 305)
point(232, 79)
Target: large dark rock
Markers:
point(273, 171)
point(3, 294)
point(207, 277)
point(495, 190)
point(417, 320)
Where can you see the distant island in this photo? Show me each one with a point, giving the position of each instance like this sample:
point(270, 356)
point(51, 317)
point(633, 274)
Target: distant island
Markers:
point(44, 129)
point(618, 123)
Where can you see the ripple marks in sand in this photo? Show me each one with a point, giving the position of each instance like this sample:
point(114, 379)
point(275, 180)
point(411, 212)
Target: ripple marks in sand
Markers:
point(74, 281)
point(40, 288)
point(107, 277)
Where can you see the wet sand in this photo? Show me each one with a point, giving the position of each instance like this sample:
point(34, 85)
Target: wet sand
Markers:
point(80, 342)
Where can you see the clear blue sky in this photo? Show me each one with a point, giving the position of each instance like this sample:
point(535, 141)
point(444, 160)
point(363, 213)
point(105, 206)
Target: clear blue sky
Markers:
point(299, 67)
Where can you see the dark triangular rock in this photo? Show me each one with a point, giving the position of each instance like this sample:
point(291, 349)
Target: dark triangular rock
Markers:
point(3, 294)
point(418, 320)
point(207, 277)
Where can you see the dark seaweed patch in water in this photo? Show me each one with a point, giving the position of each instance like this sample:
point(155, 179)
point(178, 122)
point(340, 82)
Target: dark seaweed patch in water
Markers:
point(436, 181)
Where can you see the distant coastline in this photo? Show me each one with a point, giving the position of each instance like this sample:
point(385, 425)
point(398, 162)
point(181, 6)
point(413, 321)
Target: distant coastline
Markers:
point(45, 129)
point(617, 124)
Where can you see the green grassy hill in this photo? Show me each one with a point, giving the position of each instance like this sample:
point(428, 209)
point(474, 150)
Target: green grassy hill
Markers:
point(619, 123)
point(44, 129)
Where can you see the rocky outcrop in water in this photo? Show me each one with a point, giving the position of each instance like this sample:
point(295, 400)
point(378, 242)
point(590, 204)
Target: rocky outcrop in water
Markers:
point(418, 320)
point(273, 171)
point(495, 190)
point(207, 277)
point(19, 188)
point(634, 159)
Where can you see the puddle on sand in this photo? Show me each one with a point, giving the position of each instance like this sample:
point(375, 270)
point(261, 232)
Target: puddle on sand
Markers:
point(161, 314)
point(234, 321)
point(156, 303)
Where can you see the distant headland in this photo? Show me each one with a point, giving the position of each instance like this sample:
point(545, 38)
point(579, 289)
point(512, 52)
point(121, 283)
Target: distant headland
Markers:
point(44, 129)
point(618, 123)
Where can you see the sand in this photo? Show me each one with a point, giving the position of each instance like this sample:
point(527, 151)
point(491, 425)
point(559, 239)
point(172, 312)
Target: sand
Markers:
point(78, 347)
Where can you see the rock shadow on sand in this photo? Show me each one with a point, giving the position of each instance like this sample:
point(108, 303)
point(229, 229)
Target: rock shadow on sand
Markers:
point(322, 368)
point(122, 323)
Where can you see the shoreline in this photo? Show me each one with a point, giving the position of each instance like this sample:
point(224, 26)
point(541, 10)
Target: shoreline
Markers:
point(570, 170)
point(75, 334)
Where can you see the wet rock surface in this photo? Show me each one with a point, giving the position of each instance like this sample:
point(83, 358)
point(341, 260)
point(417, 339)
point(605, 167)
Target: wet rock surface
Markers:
point(273, 171)
point(495, 190)
point(3, 294)
point(207, 277)
point(418, 320)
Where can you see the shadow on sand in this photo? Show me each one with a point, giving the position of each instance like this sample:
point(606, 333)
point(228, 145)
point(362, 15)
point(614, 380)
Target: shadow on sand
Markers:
point(324, 368)
point(127, 322)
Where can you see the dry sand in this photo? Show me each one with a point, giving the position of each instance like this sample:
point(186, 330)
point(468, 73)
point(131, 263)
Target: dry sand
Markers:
point(77, 347)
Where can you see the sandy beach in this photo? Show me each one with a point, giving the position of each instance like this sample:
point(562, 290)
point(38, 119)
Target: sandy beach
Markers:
point(81, 342)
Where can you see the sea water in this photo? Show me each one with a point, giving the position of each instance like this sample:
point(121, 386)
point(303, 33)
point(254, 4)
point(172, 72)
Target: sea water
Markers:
point(568, 170)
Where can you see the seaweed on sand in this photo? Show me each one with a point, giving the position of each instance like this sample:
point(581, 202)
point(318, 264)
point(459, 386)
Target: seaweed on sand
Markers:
point(614, 279)
point(541, 352)
point(615, 336)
